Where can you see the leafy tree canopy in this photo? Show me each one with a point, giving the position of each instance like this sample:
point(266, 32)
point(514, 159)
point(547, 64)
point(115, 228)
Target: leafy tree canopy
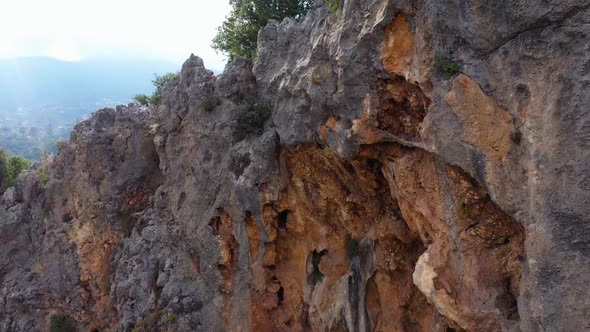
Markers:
point(10, 168)
point(237, 36)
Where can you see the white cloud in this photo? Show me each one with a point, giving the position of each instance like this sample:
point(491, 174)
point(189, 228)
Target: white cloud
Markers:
point(73, 29)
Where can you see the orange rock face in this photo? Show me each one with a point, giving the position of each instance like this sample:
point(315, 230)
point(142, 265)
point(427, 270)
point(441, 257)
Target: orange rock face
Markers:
point(96, 249)
point(395, 240)
point(471, 269)
point(396, 113)
point(485, 124)
point(222, 227)
point(335, 244)
point(397, 49)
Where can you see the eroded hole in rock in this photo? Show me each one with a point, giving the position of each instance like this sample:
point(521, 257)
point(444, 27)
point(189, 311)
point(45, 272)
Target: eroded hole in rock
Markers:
point(403, 107)
point(239, 163)
point(516, 137)
point(316, 275)
point(127, 223)
point(215, 223)
point(67, 217)
point(181, 200)
point(522, 91)
point(507, 301)
point(281, 295)
point(282, 219)
point(232, 255)
point(349, 168)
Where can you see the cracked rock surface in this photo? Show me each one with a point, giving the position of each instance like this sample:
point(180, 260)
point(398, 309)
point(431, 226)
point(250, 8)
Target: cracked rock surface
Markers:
point(379, 196)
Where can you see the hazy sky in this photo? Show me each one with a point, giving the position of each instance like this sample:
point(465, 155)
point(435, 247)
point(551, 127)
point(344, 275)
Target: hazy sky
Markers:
point(77, 29)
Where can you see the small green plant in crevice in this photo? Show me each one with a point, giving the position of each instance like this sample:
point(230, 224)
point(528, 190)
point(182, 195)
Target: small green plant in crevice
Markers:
point(171, 317)
point(250, 121)
point(211, 104)
point(43, 177)
point(61, 323)
point(468, 210)
point(332, 5)
point(352, 245)
point(44, 214)
point(314, 79)
point(446, 67)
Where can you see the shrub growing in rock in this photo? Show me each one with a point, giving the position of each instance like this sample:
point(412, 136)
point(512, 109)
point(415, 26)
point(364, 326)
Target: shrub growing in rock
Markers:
point(61, 323)
point(332, 5)
point(10, 168)
point(43, 177)
point(171, 317)
point(142, 99)
point(446, 67)
point(250, 121)
point(3, 169)
point(210, 104)
point(159, 82)
point(16, 164)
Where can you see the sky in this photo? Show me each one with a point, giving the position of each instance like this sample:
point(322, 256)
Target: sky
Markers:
point(73, 30)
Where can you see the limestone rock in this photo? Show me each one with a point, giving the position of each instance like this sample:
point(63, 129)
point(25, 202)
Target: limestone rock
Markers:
point(380, 196)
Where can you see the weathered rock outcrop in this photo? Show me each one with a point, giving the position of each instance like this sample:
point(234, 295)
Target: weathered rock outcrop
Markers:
point(380, 196)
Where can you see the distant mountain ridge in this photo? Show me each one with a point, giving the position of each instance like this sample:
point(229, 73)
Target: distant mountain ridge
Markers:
point(42, 81)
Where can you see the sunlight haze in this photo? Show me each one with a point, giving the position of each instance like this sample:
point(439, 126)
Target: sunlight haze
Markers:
point(74, 30)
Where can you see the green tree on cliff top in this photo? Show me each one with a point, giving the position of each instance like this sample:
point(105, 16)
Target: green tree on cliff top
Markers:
point(237, 36)
point(10, 168)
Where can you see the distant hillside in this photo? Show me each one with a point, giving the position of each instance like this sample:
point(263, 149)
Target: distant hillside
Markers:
point(42, 98)
point(42, 81)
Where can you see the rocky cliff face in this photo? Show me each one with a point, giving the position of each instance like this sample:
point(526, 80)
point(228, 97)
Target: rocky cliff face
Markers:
point(385, 193)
